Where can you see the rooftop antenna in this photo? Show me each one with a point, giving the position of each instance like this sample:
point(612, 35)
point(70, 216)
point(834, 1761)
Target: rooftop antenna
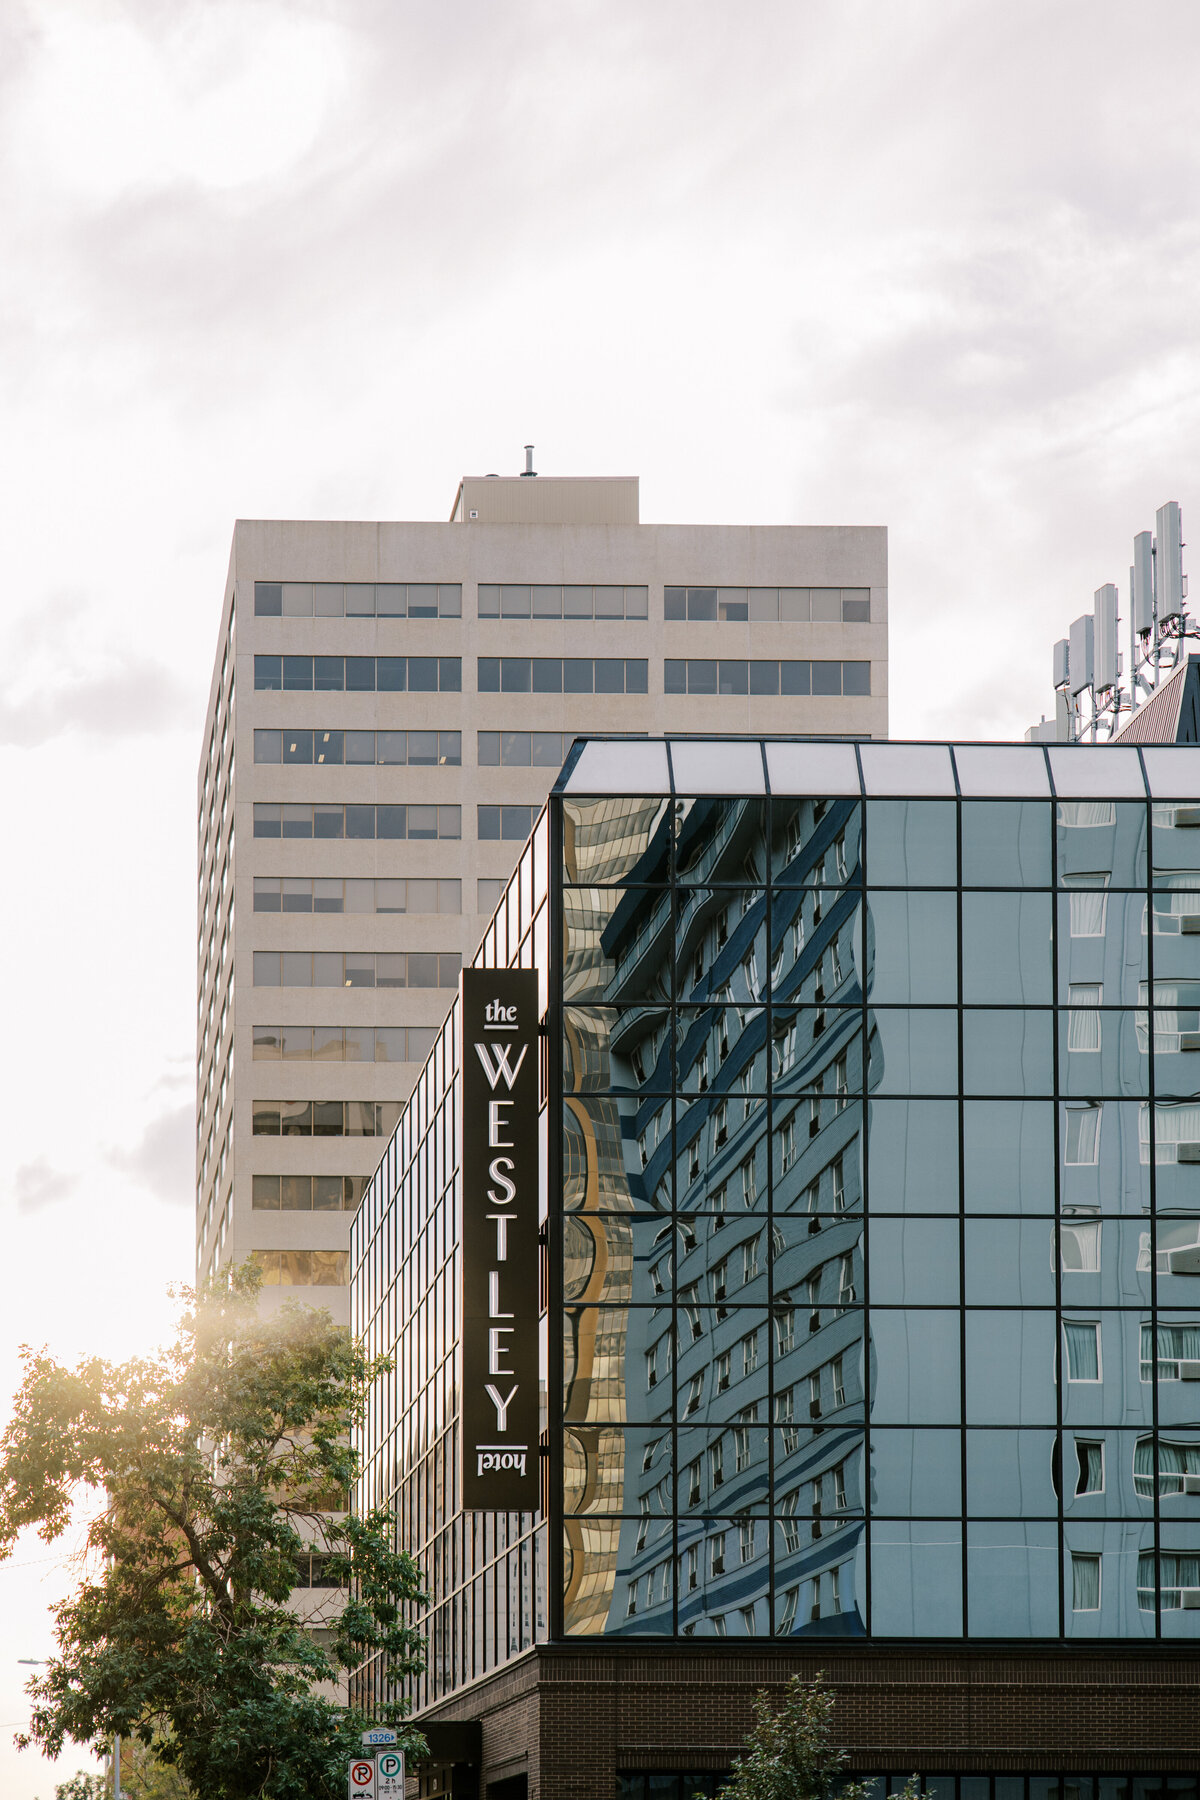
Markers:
point(529, 468)
point(1093, 684)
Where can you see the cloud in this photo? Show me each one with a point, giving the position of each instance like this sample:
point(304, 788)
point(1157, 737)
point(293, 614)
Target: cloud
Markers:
point(37, 1184)
point(163, 1160)
point(134, 699)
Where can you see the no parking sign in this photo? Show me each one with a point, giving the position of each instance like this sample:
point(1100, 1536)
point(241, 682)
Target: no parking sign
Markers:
point(362, 1779)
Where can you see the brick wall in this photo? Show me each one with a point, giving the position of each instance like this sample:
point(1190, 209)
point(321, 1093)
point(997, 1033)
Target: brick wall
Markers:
point(569, 1717)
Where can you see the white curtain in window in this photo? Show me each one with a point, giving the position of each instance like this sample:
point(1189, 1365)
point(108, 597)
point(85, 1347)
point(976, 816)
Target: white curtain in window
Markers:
point(1083, 1027)
point(1082, 1135)
point(1083, 1350)
point(1085, 1583)
point(1175, 1572)
point(1079, 1244)
point(1089, 905)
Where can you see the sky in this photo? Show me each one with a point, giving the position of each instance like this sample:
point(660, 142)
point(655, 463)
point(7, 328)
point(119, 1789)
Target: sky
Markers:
point(930, 264)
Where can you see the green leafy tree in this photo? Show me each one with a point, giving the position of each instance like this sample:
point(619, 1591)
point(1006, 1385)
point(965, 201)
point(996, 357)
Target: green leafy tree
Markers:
point(790, 1753)
point(214, 1462)
point(84, 1787)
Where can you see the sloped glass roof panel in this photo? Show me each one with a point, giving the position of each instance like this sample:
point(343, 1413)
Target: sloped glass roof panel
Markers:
point(723, 767)
point(987, 771)
point(620, 766)
point(812, 768)
point(1173, 773)
point(907, 769)
point(1096, 772)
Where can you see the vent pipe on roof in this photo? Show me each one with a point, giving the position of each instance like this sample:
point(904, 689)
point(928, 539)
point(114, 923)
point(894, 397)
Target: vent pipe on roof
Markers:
point(529, 468)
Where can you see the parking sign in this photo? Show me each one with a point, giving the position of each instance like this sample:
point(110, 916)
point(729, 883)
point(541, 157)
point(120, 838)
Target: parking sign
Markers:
point(362, 1779)
point(389, 1775)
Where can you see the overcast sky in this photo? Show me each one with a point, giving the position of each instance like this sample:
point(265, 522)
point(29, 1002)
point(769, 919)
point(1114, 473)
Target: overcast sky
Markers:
point(931, 264)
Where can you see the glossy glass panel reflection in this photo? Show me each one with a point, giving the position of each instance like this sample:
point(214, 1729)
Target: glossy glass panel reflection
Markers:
point(1114, 961)
point(913, 1051)
point(618, 945)
point(1101, 837)
point(816, 842)
point(1103, 1053)
point(1176, 845)
point(607, 1151)
point(1012, 1474)
point(912, 947)
point(816, 937)
point(618, 1363)
point(616, 839)
point(1104, 1155)
point(721, 1050)
point(916, 1579)
point(721, 841)
point(816, 1048)
point(621, 1050)
point(1011, 1368)
point(726, 1467)
point(1007, 1051)
point(912, 843)
point(615, 1469)
point(598, 1260)
point(721, 1155)
point(1007, 949)
point(816, 1154)
point(720, 943)
point(1012, 1578)
point(1006, 843)
point(914, 1262)
point(913, 1149)
point(916, 1471)
point(915, 1367)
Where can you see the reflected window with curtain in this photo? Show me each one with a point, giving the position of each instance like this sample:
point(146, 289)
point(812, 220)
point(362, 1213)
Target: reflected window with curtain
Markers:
point(1083, 1025)
point(1177, 1345)
point(1082, 1340)
point(1178, 1576)
point(1085, 1583)
point(1178, 1468)
point(1088, 904)
point(1081, 1135)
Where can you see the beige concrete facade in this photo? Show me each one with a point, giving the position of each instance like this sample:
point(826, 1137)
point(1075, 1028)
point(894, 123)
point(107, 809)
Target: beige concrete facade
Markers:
point(469, 552)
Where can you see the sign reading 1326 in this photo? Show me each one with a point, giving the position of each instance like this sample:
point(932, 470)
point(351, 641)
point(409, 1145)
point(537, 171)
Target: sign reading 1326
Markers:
point(362, 1779)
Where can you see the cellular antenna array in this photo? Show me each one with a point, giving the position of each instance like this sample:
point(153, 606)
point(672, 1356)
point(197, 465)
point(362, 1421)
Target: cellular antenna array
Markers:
point(1095, 689)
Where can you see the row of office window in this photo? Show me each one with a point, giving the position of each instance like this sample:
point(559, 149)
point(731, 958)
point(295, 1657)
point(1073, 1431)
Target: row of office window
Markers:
point(307, 1193)
point(358, 599)
point(332, 894)
point(562, 675)
point(357, 968)
point(523, 600)
point(359, 674)
point(769, 605)
point(708, 675)
point(407, 749)
point(303, 1268)
point(325, 1118)
point(343, 1043)
point(517, 600)
point(329, 820)
point(413, 749)
point(556, 675)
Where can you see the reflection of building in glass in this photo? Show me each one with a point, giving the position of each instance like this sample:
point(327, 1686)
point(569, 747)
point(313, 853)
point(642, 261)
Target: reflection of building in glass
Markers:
point(873, 1295)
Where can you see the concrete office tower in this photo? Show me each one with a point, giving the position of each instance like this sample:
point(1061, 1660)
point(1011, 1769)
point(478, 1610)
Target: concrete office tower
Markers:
point(390, 704)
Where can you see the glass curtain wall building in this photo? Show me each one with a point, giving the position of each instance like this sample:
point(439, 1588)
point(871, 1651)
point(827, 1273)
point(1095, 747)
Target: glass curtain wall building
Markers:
point(872, 1228)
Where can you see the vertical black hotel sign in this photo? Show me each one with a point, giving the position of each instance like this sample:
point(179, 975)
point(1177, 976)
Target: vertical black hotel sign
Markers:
point(500, 1240)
